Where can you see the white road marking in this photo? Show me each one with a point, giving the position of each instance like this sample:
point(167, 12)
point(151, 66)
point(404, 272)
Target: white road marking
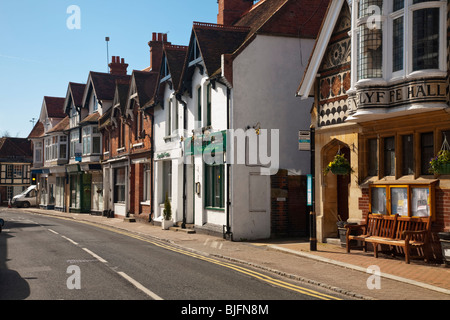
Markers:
point(53, 231)
point(95, 256)
point(140, 286)
point(70, 240)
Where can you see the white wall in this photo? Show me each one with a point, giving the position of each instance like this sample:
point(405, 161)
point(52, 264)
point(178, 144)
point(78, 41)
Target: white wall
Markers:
point(266, 76)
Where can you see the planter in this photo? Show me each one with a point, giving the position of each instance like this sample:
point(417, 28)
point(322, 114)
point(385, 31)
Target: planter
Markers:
point(166, 224)
point(340, 170)
point(444, 169)
point(444, 238)
point(342, 230)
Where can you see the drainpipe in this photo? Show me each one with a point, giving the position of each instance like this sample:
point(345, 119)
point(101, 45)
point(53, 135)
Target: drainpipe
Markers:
point(152, 148)
point(228, 227)
point(179, 98)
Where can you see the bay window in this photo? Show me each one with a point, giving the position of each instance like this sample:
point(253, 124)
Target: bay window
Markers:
point(394, 38)
point(91, 140)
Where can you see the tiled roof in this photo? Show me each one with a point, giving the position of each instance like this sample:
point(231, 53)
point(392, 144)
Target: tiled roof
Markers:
point(285, 17)
point(77, 90)
point(121, 95)
point(55, 107)
point(91, 118)
point(15, 150)
point(37, 132)
point(215, 40)
point(61, 126)
point(175, 56)
point(146, 83)
point(105, 84)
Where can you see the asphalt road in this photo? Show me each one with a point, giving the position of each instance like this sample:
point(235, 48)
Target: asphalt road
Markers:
point(46, 258)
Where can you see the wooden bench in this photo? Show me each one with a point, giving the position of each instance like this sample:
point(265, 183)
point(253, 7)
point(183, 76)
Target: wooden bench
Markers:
point(396, 231)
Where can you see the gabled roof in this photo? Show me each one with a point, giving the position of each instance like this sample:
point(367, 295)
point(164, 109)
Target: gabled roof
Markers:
point(120, 97)
point(15, 150)
point(292, 18)
point(213, 40)
point(75, 92)
point(143, 85)
point(322, 40)
point(103, 85)
point(54, 107)
point(37, 132)
point(175, 56)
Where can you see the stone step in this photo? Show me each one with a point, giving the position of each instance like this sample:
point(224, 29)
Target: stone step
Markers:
point(187, 230)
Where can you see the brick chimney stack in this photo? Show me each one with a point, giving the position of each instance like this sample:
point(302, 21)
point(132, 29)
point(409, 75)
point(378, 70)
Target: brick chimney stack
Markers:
point(156, 50)
point(231, 10)
point(118, 66)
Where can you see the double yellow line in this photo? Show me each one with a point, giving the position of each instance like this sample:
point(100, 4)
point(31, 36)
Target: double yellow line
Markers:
point(251, 273)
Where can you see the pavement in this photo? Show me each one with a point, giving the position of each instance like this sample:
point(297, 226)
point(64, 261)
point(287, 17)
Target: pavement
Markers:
point(357, 275)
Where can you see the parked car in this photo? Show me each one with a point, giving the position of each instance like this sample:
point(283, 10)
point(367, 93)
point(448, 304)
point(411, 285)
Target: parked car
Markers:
point(26, 199)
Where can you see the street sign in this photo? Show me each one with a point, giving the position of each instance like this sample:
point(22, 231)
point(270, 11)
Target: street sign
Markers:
point(309, 190)
point(304, 140)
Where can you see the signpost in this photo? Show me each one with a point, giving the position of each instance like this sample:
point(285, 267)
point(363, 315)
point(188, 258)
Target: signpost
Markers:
point(306, 143)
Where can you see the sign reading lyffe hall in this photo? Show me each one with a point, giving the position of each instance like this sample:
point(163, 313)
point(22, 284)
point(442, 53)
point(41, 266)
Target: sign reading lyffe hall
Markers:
point(411, 92)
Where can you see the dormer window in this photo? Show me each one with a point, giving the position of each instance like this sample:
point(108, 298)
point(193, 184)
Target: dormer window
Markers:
point(195, 56)
point(165, 73)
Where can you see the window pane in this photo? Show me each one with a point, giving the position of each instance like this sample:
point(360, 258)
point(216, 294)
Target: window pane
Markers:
point(62, 151)
point(420, 202)
point(370, 59)
point(408, 155)
point(426, 39)
point(389, 156)
point(96, 145)
point(364, 7)
point(398, 4)
point(378, 200)
point(397, 45)
point(399, 201)
point(373, 157)
point(427, 151)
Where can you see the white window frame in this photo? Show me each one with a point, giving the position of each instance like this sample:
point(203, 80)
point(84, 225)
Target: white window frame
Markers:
point(387, 18)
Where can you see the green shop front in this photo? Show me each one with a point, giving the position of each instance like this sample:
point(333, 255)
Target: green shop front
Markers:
point(85, 193)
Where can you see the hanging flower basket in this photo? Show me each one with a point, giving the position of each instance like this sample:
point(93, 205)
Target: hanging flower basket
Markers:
point(441, 163)
point(339, 166)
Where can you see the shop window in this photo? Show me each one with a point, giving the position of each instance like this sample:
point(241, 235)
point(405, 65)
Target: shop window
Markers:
point(409, 200)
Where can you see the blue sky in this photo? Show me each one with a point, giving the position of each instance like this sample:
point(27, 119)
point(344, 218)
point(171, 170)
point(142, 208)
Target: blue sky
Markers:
point(40, 55)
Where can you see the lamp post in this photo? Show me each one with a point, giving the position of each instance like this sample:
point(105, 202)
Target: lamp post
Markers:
point(107, 52)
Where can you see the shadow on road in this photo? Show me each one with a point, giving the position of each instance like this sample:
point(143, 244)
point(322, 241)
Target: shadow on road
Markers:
point(12, 285)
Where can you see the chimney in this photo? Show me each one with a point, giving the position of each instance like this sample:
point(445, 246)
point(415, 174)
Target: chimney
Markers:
point(156, 50)
point(118, 66)
point(231, 10)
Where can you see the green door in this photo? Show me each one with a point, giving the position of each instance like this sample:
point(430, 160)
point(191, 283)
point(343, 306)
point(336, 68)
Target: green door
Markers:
point(86, 183)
